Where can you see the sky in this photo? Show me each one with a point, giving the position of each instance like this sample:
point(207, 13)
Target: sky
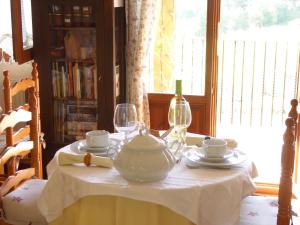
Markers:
point(5, 24)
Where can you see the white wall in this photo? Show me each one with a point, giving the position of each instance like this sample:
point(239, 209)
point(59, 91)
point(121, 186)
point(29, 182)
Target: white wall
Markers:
point(17, 72)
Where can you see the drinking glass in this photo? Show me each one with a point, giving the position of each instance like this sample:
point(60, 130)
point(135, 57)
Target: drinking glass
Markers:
point(125, 119)
point(180, 117)
point(2, 61)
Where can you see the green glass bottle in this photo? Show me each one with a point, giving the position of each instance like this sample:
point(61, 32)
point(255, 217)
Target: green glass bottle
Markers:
point(174, 114)
point(179, 117)
point(178, 97)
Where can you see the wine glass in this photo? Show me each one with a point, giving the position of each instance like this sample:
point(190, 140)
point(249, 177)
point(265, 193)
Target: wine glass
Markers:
point(180, 117)
point(125, 119)
point(2, 61)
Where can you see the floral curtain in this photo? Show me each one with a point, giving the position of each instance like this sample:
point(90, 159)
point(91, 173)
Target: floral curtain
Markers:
point(140, 16)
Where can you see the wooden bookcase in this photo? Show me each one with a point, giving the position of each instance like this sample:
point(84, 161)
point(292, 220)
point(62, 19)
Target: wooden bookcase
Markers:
point(89, 49)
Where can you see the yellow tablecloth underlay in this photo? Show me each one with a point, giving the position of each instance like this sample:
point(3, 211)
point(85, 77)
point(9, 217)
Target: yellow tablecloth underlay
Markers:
point(111, 210)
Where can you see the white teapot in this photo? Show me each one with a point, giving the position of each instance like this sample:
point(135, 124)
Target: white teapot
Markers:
point(144, 159)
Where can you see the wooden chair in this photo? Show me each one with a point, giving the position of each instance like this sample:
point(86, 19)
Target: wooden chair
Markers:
point(262, 210)
point(26, 87)
point(19, 192)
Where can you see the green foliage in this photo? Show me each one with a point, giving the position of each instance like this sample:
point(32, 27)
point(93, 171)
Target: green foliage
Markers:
point(240, 14)
point(243, 14)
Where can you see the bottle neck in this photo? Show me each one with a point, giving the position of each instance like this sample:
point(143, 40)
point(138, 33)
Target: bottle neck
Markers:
point(178, 90)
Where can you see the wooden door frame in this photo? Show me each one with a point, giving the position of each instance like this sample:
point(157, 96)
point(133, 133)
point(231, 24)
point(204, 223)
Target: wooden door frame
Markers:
point(211, 69)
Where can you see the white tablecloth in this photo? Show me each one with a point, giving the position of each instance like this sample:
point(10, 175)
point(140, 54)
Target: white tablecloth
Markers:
point(206, 196)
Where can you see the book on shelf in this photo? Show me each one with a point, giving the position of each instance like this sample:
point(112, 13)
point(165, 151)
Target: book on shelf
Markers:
point(59, 80)
point(95, 80)
point(117, 80)
point(59, 119)
point(63, 82)
point(81, 117)
point(83, 109)
point(74, 80)
point(70, 80)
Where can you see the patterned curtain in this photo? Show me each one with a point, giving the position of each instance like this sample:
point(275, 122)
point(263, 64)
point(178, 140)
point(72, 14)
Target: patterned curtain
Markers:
point(140, 16)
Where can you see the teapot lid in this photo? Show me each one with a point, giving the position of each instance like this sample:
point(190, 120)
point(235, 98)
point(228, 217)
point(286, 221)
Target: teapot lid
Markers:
point(145, 141)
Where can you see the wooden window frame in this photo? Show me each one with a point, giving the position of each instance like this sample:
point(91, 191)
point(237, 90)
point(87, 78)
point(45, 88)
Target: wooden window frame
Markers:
point(21, 55)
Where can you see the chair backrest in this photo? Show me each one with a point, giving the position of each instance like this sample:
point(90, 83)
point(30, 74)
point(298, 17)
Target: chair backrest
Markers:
point(10, 154)
point(287, 167)
point(30, 87)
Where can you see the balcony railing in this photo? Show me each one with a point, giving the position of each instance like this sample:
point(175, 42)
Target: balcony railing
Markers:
point(257, 80)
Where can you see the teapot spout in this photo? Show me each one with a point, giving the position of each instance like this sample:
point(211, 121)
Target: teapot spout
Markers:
point(171, 158)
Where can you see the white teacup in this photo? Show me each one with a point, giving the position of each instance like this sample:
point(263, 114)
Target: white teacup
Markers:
point(97, 138)
point(214, 147)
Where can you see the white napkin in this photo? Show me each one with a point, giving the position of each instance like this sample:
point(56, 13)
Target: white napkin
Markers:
point(194, 140)
point(69, 159)
point(231, 143)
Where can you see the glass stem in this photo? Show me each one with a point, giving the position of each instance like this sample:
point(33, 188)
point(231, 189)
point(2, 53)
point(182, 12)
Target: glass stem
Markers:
point(125, 137)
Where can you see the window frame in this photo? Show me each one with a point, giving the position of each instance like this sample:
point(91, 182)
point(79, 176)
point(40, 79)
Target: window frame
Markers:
point(21, 55)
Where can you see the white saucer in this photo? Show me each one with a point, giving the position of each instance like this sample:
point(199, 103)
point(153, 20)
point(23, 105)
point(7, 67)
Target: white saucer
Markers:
point(80, 147)
point(193, 159)
point(201, 152)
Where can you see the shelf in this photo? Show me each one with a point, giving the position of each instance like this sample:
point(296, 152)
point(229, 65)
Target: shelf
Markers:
point(89, 61)
point(73, 28)
point(73, 100)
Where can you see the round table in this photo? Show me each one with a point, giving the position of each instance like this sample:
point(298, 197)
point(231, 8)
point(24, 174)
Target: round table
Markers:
point(93, 195)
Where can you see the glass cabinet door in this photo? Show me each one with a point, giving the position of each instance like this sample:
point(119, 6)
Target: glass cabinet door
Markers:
point(73, 70)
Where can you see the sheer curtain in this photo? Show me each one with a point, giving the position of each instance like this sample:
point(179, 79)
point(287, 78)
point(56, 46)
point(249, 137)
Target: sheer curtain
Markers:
point(141, 18)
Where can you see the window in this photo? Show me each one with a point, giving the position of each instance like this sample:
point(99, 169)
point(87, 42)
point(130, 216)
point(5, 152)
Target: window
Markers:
point(242, 72)
point(179, 51)
point(185, 48)
point(22, 30)
point(16, 30)
point(5, 32)
point(259, 46)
